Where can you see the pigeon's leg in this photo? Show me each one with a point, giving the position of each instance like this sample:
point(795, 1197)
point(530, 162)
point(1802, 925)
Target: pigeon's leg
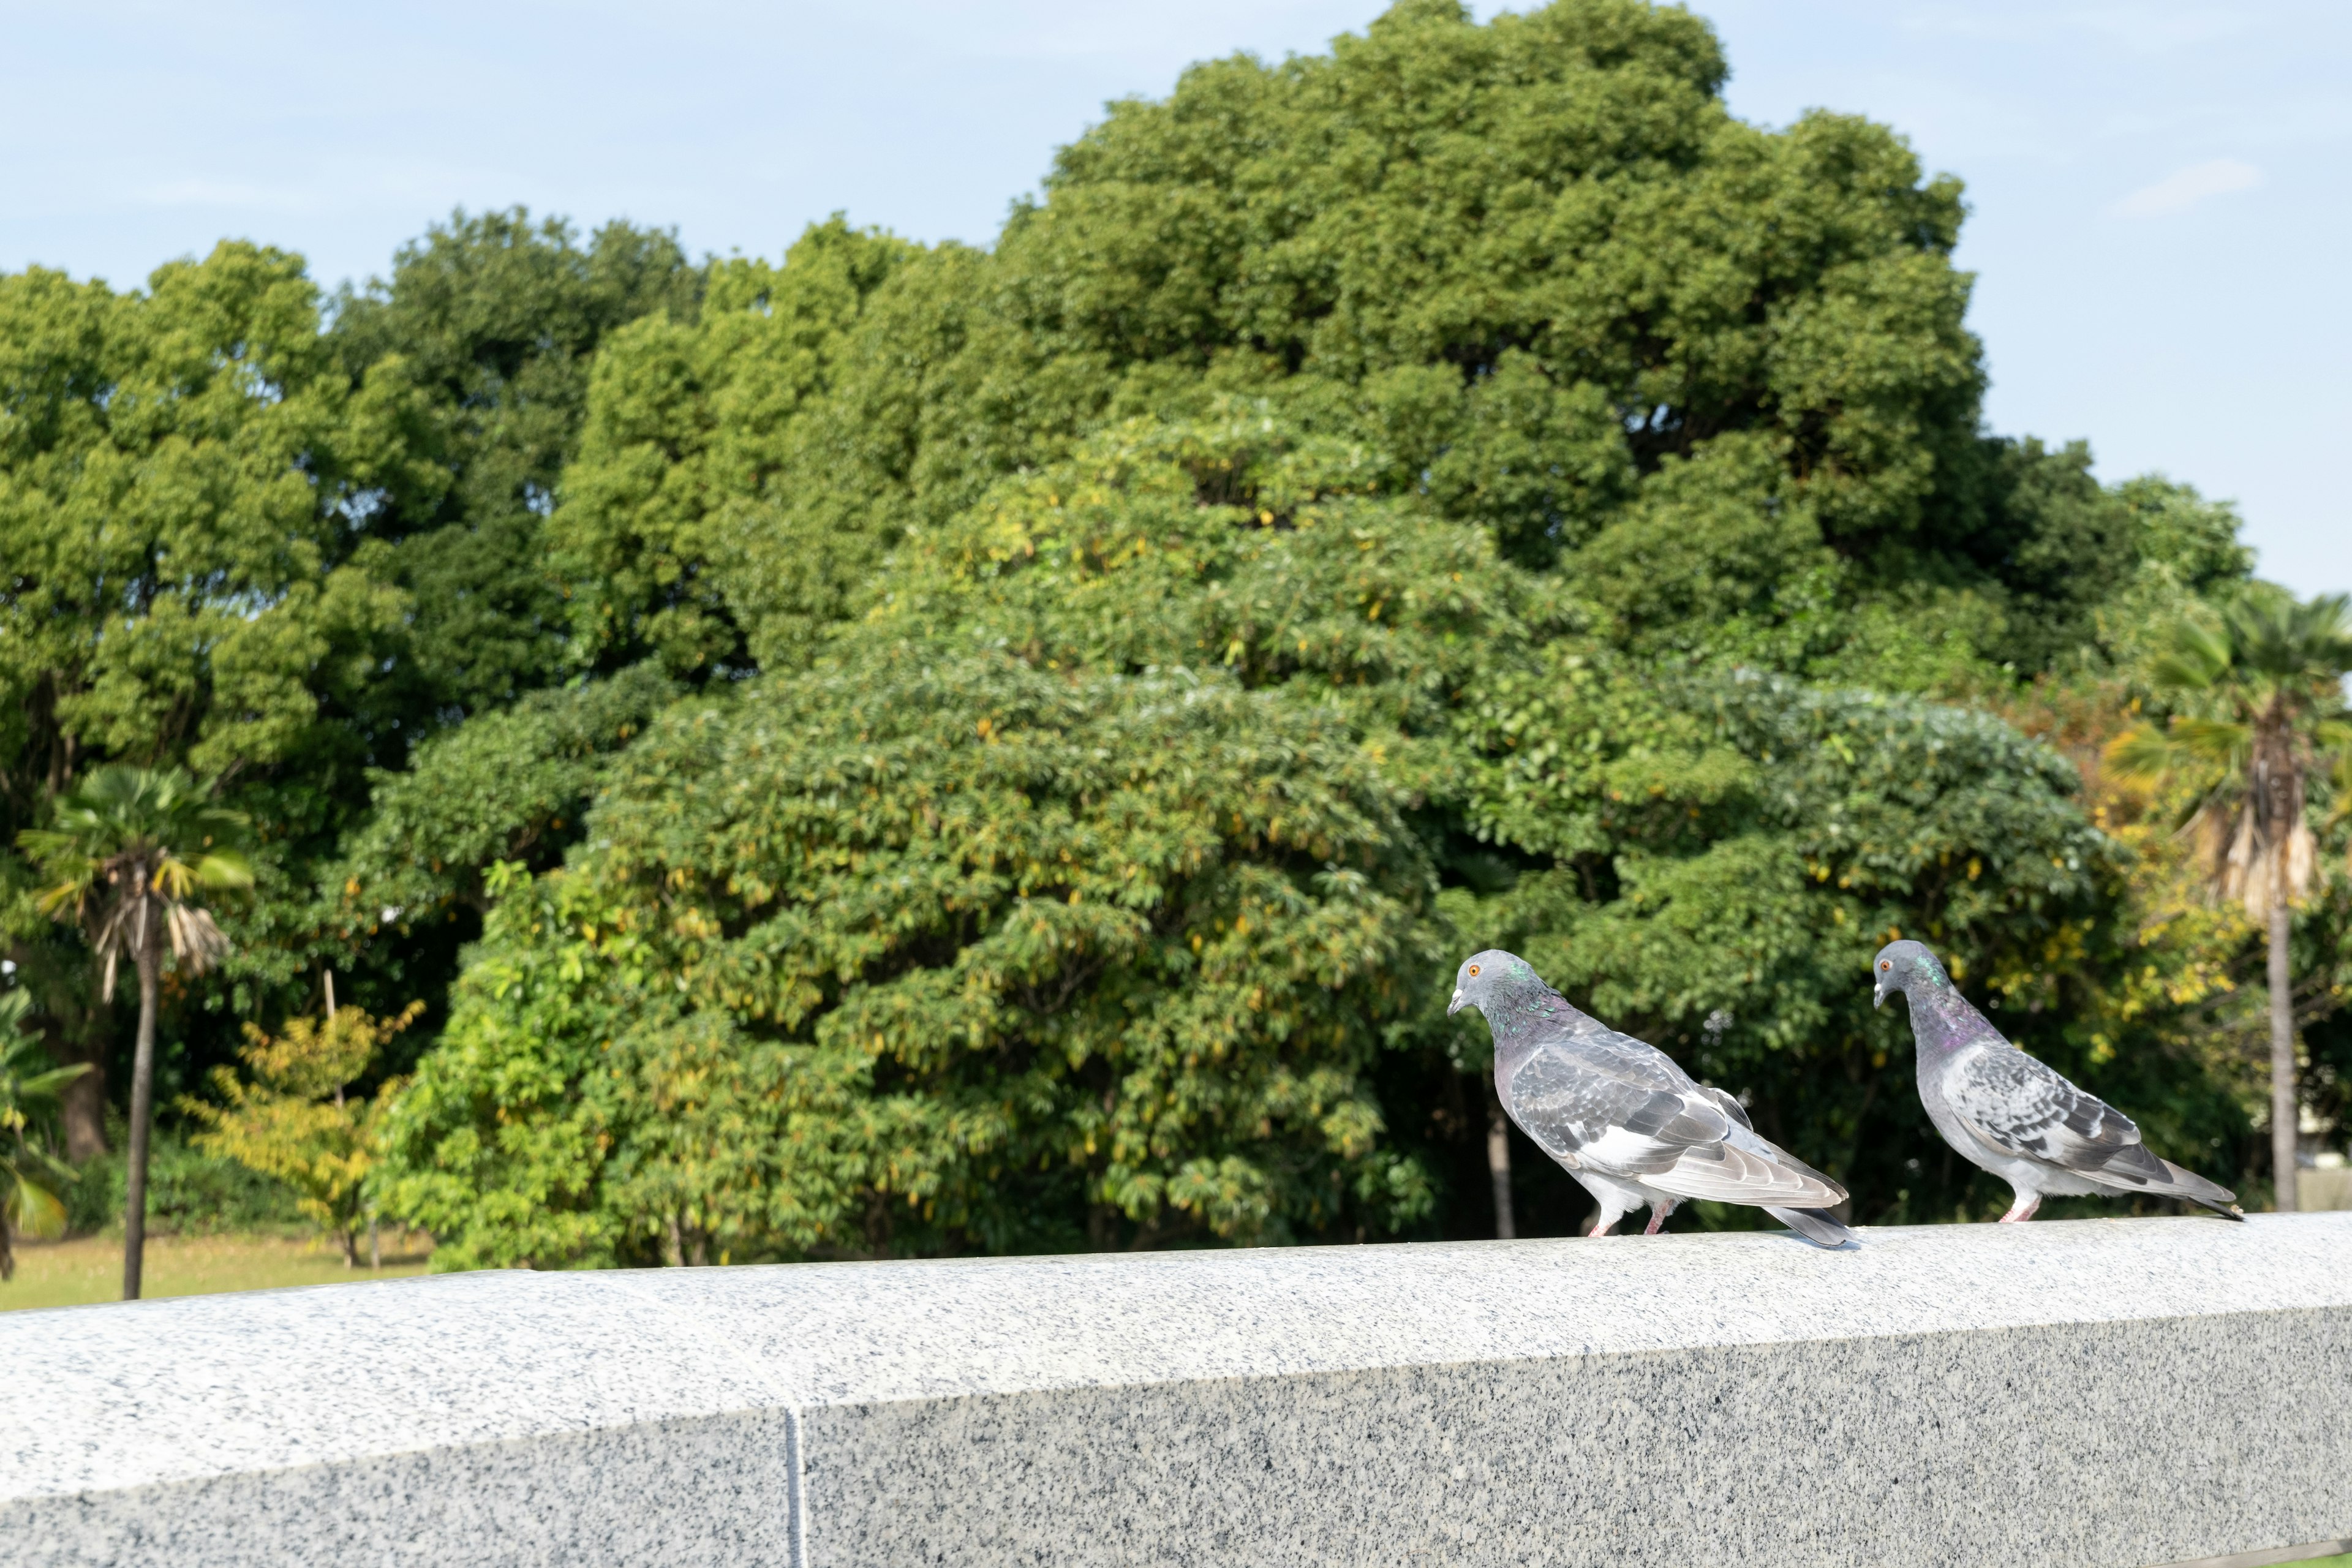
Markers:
point(1658, 1213)
point(2023, 1210)
point(1612, 1199)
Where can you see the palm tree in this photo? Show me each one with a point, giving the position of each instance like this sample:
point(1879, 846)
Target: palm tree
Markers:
point(2260, 702)
point(29, 1204)
point(131, 850)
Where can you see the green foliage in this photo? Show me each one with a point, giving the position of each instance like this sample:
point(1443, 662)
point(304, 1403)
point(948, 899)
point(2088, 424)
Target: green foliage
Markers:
point(2260, 712)
point(168, 478)
point(481, 344)
point(185, 584)
point(507, 786)
point(1531, 249)
point(1714, 375)
point(30, 1174)
point(938, 955)
point(690, 525)
point(189, 1192)
point(680, 1028)
point(1226, 541)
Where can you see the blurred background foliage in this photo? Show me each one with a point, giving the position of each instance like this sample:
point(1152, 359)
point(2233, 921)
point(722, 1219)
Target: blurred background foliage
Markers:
point(918, 750)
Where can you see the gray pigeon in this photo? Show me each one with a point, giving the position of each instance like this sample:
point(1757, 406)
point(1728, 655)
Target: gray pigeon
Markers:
point(2013, 1114)
point(1622, 1119)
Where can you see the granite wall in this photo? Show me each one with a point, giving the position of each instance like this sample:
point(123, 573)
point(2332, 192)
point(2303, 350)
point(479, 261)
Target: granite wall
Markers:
point(2085, 1394)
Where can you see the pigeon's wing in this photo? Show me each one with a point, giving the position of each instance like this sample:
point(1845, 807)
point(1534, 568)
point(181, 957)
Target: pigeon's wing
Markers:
point(1591, 1103)
point(1594, 1098)
point(1747, 1170)
point(1728, 1105)
point(2022, 1106)
point(1743, 1135)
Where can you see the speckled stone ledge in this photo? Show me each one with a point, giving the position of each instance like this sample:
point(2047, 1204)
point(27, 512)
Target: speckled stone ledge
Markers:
point(2088, 1394)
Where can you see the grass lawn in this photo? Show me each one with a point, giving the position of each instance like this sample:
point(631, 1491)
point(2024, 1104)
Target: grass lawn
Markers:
point(90, 1268)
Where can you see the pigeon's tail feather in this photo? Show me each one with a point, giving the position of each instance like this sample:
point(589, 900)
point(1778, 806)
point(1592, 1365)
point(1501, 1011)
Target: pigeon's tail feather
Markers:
point(2176, 1183)
point(1816, 1226)
point(2198, 1190)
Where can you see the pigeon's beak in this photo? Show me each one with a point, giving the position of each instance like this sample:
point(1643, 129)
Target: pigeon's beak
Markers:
point(1878, 995)
point(1456, 1007)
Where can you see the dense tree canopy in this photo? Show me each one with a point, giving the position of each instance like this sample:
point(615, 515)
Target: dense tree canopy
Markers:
point(913, 749)
point(963, 954)
point(488, 326)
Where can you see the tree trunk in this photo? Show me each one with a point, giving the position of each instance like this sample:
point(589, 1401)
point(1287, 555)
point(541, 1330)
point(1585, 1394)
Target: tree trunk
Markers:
point(1498, 1161)
point(2285, 1115)
point(148, 937)
point(75, 1031)
point(82, 1106)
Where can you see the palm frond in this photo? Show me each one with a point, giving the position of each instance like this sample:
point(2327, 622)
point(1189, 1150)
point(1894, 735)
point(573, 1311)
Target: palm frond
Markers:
point(198, 943)
point(32, 1209)
point(2143, 755)
point(2200, 657)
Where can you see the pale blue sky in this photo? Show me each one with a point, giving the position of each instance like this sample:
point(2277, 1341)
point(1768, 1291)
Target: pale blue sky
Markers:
point(2160, 188)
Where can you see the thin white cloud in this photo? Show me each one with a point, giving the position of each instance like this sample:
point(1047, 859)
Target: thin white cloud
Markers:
point(2184, 188)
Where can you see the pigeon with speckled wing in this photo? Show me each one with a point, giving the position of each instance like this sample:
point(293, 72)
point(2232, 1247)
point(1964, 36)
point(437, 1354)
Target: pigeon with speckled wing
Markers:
point(2015, 1115)
point(1618, 1116)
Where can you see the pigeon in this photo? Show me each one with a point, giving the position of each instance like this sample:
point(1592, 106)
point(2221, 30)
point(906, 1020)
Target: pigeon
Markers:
point(1622, 1119)
point(2014, 1114)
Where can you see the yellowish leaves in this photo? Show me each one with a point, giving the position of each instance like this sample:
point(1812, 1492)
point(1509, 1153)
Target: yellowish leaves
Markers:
point(294, 1119)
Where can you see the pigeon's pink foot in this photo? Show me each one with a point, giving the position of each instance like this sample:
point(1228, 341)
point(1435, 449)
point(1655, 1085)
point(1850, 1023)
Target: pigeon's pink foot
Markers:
point(1658, 1214)
point(2023, 1210)
point(1599, 1229)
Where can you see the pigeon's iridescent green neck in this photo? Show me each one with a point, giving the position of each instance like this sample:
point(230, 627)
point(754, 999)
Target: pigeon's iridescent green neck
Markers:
point(1521, 1009)
point(1941, 1018)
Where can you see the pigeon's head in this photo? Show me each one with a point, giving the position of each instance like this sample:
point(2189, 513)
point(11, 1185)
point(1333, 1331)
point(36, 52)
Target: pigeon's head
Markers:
point(1901, 965)
point(1475, 981)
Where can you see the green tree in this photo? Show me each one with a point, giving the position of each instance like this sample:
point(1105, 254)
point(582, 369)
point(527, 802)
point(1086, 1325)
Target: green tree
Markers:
point(487, 326)
point(508, 786)
point(2260, 708)
point(29, 1172)
point(695, 527)
point(181, 583)
point(1717, 373)
point(944, 954)
point(130, 852)
point(719, 1004)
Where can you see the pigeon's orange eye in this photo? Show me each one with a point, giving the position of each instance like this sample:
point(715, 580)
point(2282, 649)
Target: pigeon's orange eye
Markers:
point(1474, 969)
point(1886, 964)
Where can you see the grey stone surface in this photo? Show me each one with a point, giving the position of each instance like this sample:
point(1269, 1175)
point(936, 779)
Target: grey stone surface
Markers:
point(2085, 1394)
